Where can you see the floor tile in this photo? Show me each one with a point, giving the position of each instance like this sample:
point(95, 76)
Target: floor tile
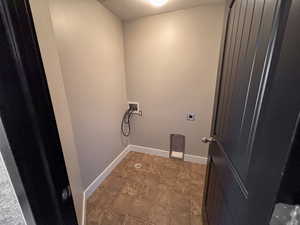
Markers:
point(109, 217)
point(161, 192)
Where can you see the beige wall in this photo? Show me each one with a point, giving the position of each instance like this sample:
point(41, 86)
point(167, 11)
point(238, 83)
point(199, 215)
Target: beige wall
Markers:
point(90, 46)
point(43, 26)
point(171, 69)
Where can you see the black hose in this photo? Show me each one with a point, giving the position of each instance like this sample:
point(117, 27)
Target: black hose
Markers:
point(126, 123)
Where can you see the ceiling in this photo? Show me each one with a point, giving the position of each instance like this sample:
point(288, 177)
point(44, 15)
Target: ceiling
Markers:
point(132, 9)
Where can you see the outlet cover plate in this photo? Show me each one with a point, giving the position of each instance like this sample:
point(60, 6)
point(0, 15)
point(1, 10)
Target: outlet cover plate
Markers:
point(138, 106)
point(191, 116)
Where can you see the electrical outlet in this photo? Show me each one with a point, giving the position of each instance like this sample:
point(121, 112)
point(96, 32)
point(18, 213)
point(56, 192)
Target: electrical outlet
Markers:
point(191, 116)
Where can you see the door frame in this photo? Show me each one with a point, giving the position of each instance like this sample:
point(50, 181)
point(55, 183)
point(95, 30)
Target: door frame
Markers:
point(16, 17)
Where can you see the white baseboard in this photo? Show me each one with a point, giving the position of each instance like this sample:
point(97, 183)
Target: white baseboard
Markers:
point(164, 153)
point(96, 183)
point(148, 150)
point(83, 210)
point(195, 159)
point(130, 148)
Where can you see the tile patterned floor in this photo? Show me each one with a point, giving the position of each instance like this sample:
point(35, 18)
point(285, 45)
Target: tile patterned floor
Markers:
point(161, 192)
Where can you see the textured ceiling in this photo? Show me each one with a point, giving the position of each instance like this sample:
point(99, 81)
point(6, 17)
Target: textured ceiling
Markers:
point(132, 9)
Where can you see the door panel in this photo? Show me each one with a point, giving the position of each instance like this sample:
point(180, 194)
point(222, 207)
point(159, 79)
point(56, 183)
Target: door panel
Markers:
point(255, 89)
point(233, 84)
point(228, 183)
point(211, 197)
point(219, 200)
point(246, 48)
point(229, 37)
point(236, 120)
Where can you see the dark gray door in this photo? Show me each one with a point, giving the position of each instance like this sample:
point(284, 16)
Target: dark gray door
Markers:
point(244, 170)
